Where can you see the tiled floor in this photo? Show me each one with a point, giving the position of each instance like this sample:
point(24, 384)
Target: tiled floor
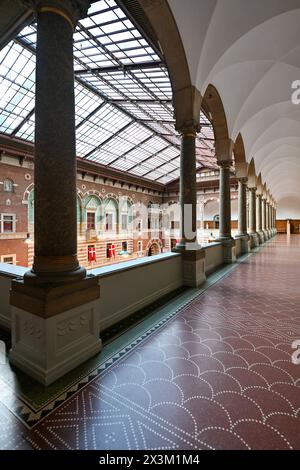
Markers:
point(217, 375)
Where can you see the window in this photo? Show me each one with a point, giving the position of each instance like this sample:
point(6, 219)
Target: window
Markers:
point(140, 246)
point(91, 253)
point(8, 259)
point(8, 186)
point(90, 221)
point(139, 225)
point(124, 246)
point(8, 223)
point(155, 223)
point(124, 221)
point(108, 221)
point(173, 224)
point(110, 250)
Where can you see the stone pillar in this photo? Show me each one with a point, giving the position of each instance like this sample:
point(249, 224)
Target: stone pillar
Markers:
point(55, 310)
point(252, 218)
point(268, 219)
point(259, 218)
point(225, 212)
point(242, 215)
point(188, 191)
point(193, 256)
point(264, 218)
point(275, 218)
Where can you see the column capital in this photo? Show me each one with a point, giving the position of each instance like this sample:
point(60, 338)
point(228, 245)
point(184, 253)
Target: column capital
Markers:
point(189, 128)
point(259, 196)
point(252, 190)
point(71, 10)
point(243, 180)
point(226, 164)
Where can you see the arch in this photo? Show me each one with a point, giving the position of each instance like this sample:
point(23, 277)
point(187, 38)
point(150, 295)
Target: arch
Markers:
point(259, 185)
point(30, 209)
point(26, 193)
point(110, 212)
point(111, 196)
point(239, 154)
point(223, 144)
point(251, 175)
point(154, 247)
point(91, 192)
point(186, 97)
point(91, 203)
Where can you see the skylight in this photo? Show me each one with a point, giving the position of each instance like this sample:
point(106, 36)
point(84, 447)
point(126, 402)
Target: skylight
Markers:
point(124, 113)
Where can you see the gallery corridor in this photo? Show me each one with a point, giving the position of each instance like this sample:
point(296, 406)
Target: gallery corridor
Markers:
point(214, 374)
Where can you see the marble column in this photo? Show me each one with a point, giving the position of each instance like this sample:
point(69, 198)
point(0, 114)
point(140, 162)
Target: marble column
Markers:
point(242, 215)
point(259, 218)
point(225, 212)
point(55, 309)
point(193, 256)
point(252, 218)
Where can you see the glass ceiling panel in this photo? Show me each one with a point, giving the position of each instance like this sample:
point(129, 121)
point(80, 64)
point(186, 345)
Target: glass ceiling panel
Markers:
point(17, 86)
point(124, 115)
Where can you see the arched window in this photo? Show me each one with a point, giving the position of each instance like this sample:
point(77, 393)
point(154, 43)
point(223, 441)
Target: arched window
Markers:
point(8, 186)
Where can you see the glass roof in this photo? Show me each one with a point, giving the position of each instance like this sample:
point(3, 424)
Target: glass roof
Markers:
point(124, 113)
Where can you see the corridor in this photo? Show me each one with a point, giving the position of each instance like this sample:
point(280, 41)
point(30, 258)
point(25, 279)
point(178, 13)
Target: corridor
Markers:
point(217, 375)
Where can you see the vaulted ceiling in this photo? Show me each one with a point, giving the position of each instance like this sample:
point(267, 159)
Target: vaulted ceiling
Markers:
point(250, 51)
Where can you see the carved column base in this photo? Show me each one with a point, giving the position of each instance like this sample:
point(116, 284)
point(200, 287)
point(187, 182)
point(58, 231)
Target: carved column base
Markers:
point(254, 240)
point(193, 266)
point(245, 243)
point(54, 329)
point(266, 235)
point(229, 251)
point(261, 237)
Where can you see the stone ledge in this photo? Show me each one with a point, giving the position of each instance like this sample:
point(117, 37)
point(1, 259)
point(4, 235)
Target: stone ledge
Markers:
point(52, 300)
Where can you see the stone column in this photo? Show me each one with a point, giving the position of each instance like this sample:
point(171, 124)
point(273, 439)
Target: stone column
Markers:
point(268, 219)
point(225, 201)
point(55, 224)
point(188, 191)
point(259, 218)
point(242, 214)
point(225, 212)
point(252, 218)
point(193, 256)
point(55, 310)
point(264, 218)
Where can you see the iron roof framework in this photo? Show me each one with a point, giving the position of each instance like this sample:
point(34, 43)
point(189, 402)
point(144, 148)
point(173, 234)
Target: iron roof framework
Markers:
point(123, 106)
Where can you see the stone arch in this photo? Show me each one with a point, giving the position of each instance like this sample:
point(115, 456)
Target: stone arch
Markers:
point(240, 162)
point(187, 99)
point(251, 175)
point(94, 201)
point(30, 209)
point(91, 192)
point(110, 206)
point(80, 194)
point(259, 185)
point(213, 104)
point(154, 247)
point(26, 193)
point(111, 196)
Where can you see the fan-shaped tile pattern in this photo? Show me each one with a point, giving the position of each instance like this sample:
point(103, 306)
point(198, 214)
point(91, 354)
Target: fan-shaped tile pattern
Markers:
point(218, 375)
